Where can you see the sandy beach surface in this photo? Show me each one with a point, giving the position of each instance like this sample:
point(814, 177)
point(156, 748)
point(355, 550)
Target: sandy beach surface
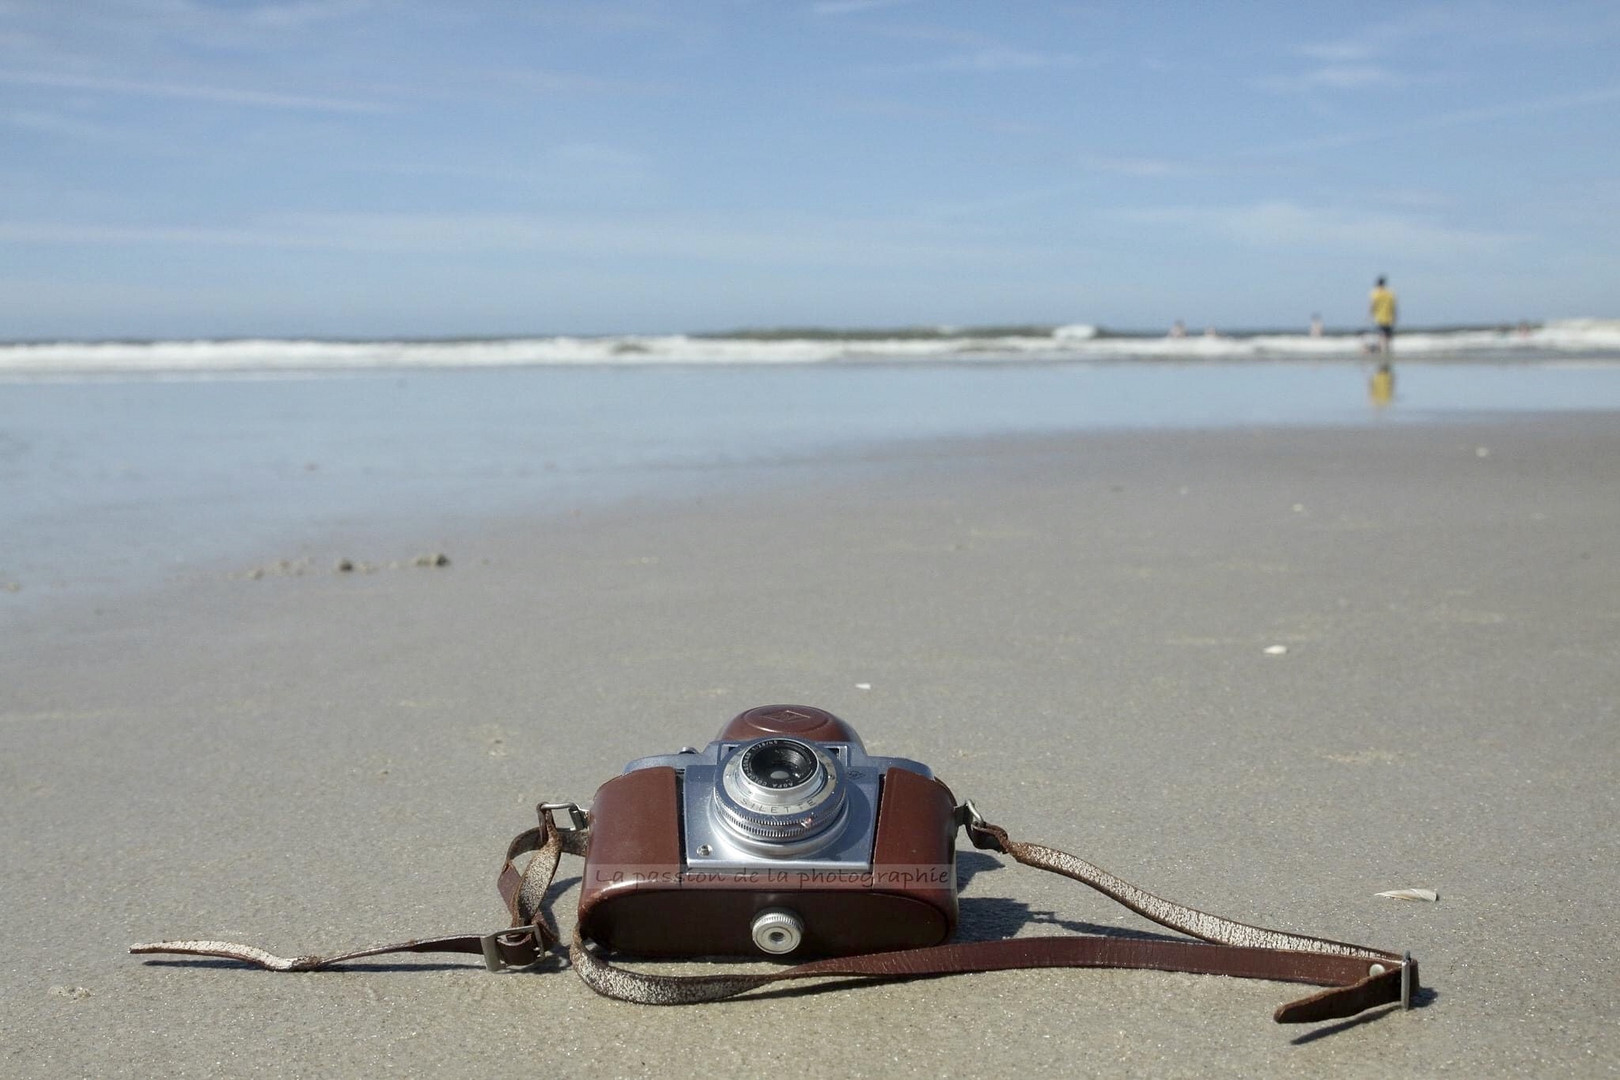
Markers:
point(1077, 632)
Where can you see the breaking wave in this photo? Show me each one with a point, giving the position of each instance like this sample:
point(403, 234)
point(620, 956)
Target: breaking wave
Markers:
point(1564, 339)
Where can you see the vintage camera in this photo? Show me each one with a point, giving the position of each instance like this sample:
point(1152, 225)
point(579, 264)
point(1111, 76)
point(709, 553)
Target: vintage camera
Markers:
point(782, 837)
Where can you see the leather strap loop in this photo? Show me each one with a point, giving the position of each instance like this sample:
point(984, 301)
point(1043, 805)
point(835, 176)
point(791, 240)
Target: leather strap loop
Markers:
point(1190, 921)
point(1357, 989)
point(1357, 977)
point(528, 937)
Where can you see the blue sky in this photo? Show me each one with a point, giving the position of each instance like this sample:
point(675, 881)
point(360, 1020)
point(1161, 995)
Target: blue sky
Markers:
point(353, 168)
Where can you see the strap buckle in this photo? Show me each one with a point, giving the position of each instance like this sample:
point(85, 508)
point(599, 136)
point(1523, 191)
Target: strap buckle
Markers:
point(968, 814)
point(491, 946)
point(578, 819)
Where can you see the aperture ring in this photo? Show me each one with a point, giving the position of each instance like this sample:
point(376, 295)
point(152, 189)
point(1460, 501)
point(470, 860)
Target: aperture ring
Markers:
point(752, 812)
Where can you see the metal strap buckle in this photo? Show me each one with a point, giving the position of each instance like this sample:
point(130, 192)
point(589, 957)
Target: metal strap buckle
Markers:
point(579, 819)
point(490, 945)
point(967, 814)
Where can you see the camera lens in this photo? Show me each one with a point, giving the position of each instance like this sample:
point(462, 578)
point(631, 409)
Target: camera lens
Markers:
point(781, 797)
point(779, 764)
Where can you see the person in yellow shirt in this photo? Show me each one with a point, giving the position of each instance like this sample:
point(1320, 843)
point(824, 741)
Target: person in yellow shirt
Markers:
point(1381, 306)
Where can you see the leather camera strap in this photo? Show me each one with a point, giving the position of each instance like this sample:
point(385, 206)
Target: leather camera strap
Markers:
point(1356, 977)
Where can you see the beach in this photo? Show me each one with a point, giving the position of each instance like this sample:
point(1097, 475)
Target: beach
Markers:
point(1268, 668)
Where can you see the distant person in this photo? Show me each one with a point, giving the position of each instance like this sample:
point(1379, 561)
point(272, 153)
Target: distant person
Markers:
point(1178, 329)
point(1316, 326)
point(1381, 306)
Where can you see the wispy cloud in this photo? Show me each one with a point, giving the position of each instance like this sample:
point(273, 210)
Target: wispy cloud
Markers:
point(956, 118)
point(688, 237)
point(1419, 44)
point(1338, 52)
point(495, 83)
point(854, 7)
point(1460, 118)
point(41, 121)
point(1433, 35)
point(210, 25)
point(568, 169)
point(301, 13)
point(1282, 224)
point(1340, 76)
point(1474, 26)
point(1135, 166)
point(217, 95)
point(987, 61)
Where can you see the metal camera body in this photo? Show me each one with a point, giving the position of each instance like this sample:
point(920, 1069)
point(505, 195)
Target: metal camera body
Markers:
point(782, 837)
point(731, 821)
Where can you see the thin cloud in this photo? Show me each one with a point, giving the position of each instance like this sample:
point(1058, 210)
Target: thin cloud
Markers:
point(854, 7)
point(1461, 118)
point(1290, 225)
point(934, 35)
point(907, 110)
point(1335, 77)
point(654, 236)
point(547, 81)
point(217, 95)
point(1134, 166)
point(59, 125)
point(1454, 28)
point(303, 13)
point(1429, 38)
point(53, 232)
point(1343, 52)
point(994, 60)
point(570, 168)
point(164, 49)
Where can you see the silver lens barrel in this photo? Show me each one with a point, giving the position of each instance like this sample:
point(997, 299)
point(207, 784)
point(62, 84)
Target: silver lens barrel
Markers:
point(780, 796)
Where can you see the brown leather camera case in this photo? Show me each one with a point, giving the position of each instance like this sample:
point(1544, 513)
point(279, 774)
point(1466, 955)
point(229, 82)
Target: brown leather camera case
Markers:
point(636, 900)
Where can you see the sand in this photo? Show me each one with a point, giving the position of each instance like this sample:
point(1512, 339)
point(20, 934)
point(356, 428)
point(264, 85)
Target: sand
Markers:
point(1079, 633)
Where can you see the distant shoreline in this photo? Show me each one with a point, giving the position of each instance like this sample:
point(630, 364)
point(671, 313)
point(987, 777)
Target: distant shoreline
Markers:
point(807, 333)
point(1560, 340)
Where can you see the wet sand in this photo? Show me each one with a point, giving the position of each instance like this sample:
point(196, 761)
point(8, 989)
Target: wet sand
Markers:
point(1073, 631)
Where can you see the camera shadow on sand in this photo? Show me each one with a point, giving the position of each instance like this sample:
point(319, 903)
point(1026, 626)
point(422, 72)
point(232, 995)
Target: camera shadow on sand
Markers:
point(990, 918)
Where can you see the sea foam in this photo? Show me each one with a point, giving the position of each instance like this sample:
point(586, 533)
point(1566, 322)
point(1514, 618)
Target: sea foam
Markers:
point(1569, 338)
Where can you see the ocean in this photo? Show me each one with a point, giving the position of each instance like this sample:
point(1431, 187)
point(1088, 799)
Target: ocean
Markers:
point(155, 467)
point(1591, 338)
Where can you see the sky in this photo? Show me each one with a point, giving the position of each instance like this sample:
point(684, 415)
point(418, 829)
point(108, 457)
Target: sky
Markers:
point(362, 168)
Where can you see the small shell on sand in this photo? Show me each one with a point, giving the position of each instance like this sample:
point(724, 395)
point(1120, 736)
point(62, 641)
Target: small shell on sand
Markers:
point(1276, 650)
point(437, 558)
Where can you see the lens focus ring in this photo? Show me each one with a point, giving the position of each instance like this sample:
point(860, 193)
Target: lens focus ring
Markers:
point(778, 791)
